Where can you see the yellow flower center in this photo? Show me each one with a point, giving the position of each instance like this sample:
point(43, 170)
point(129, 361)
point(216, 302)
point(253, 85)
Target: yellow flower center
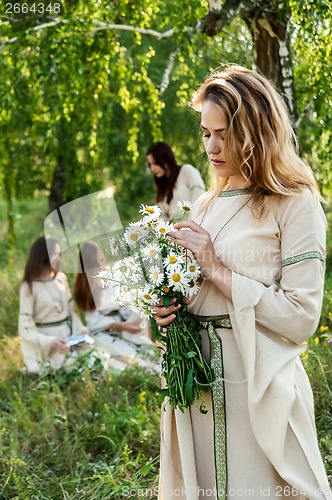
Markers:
point(133, 236)
point(152, 251)
point(149, 210)
point(172, 259)
point(162, 230)
point(155, 275)
point(176, 277)
point(147, 297)
point(166, 289)
point(192, 269)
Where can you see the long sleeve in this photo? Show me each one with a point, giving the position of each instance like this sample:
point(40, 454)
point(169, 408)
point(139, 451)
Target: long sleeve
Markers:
point(292, 307)
point(270, 324)
point(97, 322)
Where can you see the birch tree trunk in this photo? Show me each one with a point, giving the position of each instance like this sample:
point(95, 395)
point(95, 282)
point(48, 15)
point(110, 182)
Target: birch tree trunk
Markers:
point(269, 25)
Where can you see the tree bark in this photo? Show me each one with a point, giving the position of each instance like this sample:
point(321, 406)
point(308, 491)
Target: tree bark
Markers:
point(58, 184)
point(268, 23)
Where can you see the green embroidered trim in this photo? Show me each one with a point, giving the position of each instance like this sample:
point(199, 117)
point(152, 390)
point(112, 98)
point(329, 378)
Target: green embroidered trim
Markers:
point(302, 256)
point(234, 192)
point(219, 414)
point(218, 321)
point(210, 323)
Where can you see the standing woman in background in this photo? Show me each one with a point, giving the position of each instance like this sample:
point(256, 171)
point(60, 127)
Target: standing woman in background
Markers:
point(173, 182)
point(47, 316)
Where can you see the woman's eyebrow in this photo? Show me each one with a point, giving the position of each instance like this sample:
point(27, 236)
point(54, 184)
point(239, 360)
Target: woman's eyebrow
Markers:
point(217, 130)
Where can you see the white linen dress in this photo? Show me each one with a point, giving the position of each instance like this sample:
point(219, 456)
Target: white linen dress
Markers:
point(125, 348)
point(49, 302)
point(258, 439)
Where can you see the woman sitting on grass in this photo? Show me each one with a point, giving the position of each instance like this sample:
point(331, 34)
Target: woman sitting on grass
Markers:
point(116, 330)
point(46, 316)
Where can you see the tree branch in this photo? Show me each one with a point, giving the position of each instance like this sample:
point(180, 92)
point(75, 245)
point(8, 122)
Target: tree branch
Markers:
point(35, 28)
point(165, 81)
point(101, 26)
point(127, 27)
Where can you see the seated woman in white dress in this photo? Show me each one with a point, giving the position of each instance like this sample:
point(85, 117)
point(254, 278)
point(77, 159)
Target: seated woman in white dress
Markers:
point(117, 330)
point(46, 316)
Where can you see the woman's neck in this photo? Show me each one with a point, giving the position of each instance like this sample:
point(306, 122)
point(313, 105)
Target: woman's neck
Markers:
point(237, 182)
point(47, 274)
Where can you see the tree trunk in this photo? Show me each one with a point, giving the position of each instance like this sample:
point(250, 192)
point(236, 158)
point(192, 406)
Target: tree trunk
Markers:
point(268, 23)
point(58, 184)
point(270, 34)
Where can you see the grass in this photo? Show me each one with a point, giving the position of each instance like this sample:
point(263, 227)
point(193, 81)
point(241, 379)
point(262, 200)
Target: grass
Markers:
point(94, 435)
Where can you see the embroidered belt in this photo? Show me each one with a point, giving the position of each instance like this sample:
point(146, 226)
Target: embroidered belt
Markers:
point(210, 323)
point(55, 323)
point(218, 321)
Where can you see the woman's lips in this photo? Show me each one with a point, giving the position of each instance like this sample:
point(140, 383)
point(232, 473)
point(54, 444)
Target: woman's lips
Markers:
point(218, 163)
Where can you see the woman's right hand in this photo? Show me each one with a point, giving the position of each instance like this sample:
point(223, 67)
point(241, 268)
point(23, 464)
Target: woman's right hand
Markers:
point(60, 345)
point(165, 315)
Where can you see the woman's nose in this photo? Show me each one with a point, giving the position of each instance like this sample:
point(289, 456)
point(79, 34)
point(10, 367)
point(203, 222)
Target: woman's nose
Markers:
point(214, 145)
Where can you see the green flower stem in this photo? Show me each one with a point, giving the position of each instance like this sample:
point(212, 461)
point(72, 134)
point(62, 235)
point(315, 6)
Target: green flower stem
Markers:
point(186, 371)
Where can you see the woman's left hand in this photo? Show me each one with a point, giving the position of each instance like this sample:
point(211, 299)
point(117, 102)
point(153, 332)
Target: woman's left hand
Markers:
point(199, 242)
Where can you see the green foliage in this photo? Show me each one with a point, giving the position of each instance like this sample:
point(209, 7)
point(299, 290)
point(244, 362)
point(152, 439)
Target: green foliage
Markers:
point(89, 434)
point(313, 67)
point(91, 98)
point(78, 436)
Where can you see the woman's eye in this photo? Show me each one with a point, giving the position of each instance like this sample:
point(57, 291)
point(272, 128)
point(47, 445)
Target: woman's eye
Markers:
point(206, 135)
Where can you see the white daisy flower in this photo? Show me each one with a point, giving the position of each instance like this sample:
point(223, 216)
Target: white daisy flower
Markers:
point(173, 262)
point(163, 228)
point(103, 274)
point(114, 245)
point(191, 289)
point(133, 234)
point(193, 269)
point(105, 278)
point(177, 280)
point(186, 206)
point(119, 269)
point(151, 251)
point(149, 297)
point(131, 264)
point(152, 212)
point(156, 276)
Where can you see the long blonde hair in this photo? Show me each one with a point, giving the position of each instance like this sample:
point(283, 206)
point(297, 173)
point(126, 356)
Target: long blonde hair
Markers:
point(259, 138)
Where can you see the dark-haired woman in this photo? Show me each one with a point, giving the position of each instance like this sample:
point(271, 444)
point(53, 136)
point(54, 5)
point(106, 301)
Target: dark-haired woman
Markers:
point(173, 182)
point(47, 316)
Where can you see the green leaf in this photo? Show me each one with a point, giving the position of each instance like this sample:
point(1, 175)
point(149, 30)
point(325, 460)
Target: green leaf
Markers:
point(190, 354)
point(189, 391)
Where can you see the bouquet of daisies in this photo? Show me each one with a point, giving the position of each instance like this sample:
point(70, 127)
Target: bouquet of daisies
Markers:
point(149, 268)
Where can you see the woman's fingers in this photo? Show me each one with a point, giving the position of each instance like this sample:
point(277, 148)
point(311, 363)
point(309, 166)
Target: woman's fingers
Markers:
point(164, 321)
point(165, 311)
point(189, 225)
point(165, 315)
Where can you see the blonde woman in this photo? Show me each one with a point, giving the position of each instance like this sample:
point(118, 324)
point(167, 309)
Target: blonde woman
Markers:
point(259, 238)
